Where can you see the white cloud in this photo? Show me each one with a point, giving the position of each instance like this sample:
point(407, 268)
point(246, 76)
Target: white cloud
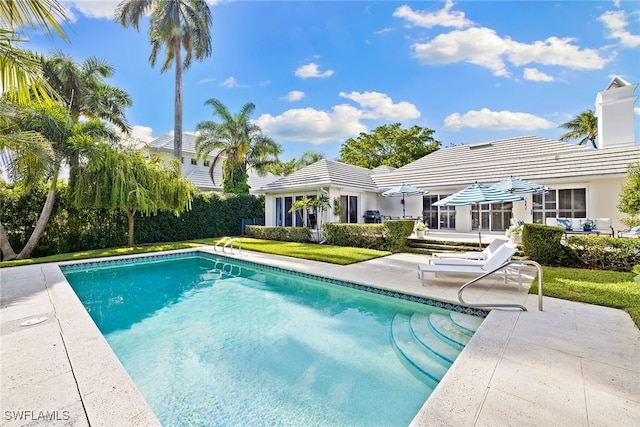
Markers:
point(616, 23)
point(536, 75)
point(636, 110)
point(443, 17)
point(96, 8)
point(376, 105)
point(208, 80)
point(294, 95)
point(230, 82)
point(311, 70)
point(343, 121)
point(384, 30)
point(483, 47)
point(314, 126)
point(495, 120)
point(142, 133)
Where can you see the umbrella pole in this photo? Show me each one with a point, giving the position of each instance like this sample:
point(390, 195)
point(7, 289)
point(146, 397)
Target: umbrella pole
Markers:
point(479, 228)
point(403, 207)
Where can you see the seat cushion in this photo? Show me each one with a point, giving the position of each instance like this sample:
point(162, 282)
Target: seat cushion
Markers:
point(564, 222)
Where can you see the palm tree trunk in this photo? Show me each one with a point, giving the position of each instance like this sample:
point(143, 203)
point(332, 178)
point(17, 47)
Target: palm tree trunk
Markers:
point(7, 251)
point(44, 216)
point(177, 125)
point(130, 216)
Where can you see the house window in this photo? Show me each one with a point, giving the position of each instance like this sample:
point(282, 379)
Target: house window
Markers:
point(438, 217)
point(181, 159)
point(566, 203)
point(278, 211)
point(206, 162)
point(288, 217)
point(495, 217)
point(194, 161)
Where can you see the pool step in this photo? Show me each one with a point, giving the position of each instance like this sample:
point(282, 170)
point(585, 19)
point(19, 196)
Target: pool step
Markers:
point(448, 330)
point(413, 352)
point(466, 322)
point(424, 333)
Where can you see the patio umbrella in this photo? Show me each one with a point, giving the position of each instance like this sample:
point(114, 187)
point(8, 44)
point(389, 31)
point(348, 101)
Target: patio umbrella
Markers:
point(477, 194)
point(403, 190)
point(516, 185)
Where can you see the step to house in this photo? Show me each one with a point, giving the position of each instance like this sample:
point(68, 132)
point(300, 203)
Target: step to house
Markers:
point(413, 352)
point(442, 325)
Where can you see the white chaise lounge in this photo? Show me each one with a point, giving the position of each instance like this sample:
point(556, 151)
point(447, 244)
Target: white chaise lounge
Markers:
point(474, 267)
point(471, 255)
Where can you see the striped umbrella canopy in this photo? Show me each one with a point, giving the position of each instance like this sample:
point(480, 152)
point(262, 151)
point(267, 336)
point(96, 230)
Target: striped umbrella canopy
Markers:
point(517, 185)
point(403, 190)
point(478, 194)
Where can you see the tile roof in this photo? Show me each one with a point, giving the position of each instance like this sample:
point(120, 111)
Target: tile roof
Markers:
point(165, 142)
point(528, 157)
point(326, 173)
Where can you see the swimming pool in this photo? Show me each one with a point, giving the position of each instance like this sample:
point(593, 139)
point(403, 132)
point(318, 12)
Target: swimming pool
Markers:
point(208, 341)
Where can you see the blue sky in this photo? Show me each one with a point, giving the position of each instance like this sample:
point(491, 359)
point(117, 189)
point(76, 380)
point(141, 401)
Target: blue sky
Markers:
point(320, 72)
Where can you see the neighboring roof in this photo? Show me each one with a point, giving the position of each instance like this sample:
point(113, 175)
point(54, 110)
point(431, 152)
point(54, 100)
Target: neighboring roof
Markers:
point(528, 157)
point(257, 182)
point(165, 142)
point(326, 173)
point(201, 179)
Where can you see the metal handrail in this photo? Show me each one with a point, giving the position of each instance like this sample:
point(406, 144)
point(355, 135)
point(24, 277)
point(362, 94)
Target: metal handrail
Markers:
point(497, 305)
point(230, 244)
point(219, 242)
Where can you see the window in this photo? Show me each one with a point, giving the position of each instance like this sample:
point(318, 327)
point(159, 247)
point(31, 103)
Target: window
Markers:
point(438, 217)
point(194, 161)
point(288, 217)
point(568, 203)
point(206, 162)
point(278, 211)
point(350, 209)
point(181, 159)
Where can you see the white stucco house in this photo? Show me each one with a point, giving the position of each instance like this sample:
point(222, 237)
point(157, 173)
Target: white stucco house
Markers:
point(197, 171)
point(584, 182)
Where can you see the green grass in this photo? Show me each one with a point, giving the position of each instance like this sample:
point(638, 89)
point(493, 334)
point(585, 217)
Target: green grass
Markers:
point(99, 253)
point(606, 288)
point(341, 255)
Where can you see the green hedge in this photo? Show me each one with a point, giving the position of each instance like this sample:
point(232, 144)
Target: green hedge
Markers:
point(71, 229)
point(369, 236)
point(605, 252)
point(282, 234)
point(543, 244)
point(396, 233)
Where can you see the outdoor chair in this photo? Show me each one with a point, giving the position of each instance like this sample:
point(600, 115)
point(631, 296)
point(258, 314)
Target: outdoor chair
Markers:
point(471, 255)
point(631, 232)
point(475, 267)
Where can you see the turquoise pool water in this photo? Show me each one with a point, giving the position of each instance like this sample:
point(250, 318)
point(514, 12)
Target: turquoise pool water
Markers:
point(210, 342)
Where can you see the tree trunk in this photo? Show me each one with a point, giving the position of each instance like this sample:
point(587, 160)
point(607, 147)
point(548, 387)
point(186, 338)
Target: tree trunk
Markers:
point(177, 125)
point(44, 216)
point(130, 215)
point(7, 251)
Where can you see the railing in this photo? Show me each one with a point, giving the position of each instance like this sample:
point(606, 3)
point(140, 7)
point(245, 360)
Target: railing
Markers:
point(228, 243)
point(227, 268)
point(502, 305)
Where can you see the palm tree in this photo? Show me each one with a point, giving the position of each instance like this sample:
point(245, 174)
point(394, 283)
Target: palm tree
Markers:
point(60, 141)
point(83, 91)
point(238, 142)
point(174, 25)
point(20, 70)
point(584, 127)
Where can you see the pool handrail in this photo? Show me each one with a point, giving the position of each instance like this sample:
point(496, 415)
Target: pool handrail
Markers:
point(228, 243)
point(502, 305)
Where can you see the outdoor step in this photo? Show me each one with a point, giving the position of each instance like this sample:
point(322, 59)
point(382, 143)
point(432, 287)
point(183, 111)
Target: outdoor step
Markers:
point(425, 334)
point(443, 325)
point(413, 352)
point(465, 321)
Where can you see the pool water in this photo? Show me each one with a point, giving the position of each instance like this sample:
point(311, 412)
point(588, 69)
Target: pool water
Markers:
point(209, 342)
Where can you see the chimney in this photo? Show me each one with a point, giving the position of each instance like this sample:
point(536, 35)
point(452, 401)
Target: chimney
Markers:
point(614, 110)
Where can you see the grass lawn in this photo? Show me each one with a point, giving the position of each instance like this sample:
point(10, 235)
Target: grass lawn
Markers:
point(606, 288)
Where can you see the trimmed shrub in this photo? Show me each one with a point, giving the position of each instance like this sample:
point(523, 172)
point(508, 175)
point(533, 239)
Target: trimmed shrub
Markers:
point(369, 236)
point(281, 234)
point(605, 252)
point(542, 244)
point(396, 233)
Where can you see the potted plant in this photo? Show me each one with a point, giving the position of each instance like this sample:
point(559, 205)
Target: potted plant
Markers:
point(515, 234)
point(420, 229)
point(587, 225)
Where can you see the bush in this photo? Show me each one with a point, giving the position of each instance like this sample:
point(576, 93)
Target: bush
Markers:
point(369, 236)
point(605, 252)
point(543, 244)
point(396, 233)
point(281, 234)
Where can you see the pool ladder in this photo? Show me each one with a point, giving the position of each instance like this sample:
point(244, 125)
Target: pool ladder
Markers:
point(227, 242)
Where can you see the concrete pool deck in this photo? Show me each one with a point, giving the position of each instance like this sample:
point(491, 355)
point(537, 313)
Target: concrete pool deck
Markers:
point(571, 364)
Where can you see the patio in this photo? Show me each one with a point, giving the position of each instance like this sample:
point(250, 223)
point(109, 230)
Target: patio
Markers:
point(571, 364)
